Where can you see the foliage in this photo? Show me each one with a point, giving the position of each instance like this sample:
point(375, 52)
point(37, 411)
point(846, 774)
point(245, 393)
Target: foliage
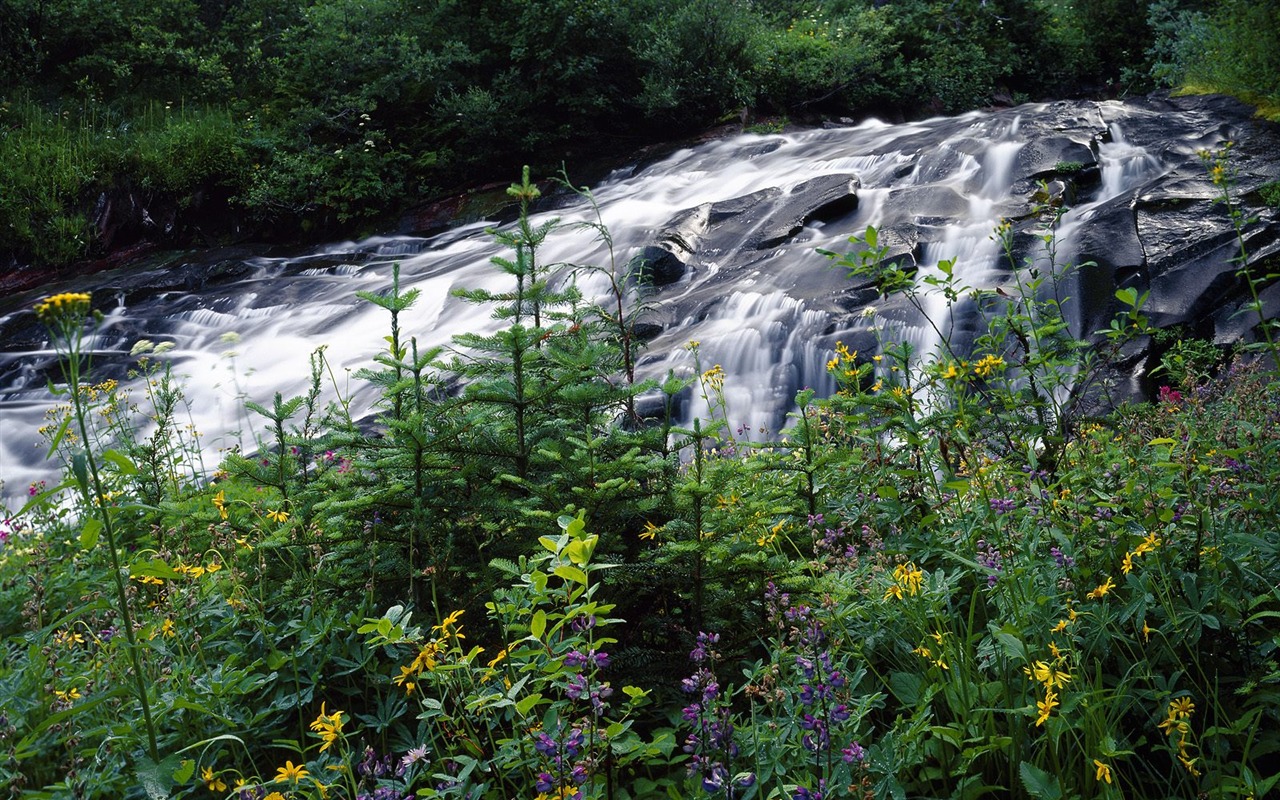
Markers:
point(321, 117)
point(1229, 48)
point(944, 580)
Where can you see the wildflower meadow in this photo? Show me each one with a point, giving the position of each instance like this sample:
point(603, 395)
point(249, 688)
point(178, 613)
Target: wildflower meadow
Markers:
point(970, 572)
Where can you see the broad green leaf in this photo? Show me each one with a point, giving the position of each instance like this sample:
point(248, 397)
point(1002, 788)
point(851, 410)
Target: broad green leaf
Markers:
point(571, 574)
point(524, 706)
point(80, 468)
point(185, 771)
point(153, 568)
point(538, 625)
point(1038, 783)
point(156, 779)
point(89, 536)
point(121, 461)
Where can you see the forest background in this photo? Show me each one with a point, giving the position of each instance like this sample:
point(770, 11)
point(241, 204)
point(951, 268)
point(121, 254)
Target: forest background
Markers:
point(287, 120)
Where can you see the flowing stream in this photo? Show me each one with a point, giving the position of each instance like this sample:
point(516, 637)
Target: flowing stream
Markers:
point(768, 315)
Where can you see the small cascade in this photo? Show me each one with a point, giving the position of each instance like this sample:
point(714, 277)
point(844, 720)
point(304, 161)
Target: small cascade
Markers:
point(754, 292)
point(1124, 166)
point(969, 242)
point(768, 348)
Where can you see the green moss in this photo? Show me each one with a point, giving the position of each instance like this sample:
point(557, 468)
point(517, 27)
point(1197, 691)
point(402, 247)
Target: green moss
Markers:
point(1270, 193)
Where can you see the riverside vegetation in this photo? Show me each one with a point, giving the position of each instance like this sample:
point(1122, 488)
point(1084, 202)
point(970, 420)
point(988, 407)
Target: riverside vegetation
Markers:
point(280, 118)
point(945, 580)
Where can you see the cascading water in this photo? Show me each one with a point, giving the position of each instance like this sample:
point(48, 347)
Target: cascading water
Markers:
point(762, 303)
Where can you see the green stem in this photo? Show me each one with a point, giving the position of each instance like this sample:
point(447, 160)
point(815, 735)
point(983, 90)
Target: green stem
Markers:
point(99, 504)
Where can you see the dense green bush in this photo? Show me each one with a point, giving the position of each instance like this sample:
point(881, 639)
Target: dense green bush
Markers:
point(451, 93)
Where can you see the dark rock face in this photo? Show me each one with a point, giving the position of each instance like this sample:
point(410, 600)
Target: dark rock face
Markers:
point(758, 221)
point(1149, 216)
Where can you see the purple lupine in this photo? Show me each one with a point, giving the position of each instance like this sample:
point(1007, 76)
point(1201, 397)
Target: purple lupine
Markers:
point(1062, 560)
point(561, 771)
point(710, 744)
point(852, 753)
point(988, 556)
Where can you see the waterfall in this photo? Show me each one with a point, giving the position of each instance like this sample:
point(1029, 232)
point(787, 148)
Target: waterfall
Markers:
point(769, 315)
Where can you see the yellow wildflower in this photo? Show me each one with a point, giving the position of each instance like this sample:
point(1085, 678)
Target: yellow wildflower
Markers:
point(894, 590)
point(1181, 708)
point(1126, 566)
point(1190, 764)
point(1103, 772)
point(211, 780)
point(278, 516)
point(714, 378)
point(274, 796)
point(426, 659)
point(650, 531)
point(449, 621)
point(1101, 591)
point(1151, 542)
point(908, 576)
point(166, 629)
point(328, 726)
point(987, 365)
point(1060, 627)
point(69, 695)
point(1052, 678)
point(1046, 706)
point(220, 503)
point(1146, 631)
point(68, 638)
point(67, 305)
point(289, 772)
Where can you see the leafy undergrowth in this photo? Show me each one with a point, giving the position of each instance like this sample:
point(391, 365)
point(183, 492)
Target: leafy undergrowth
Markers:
point(944, 581)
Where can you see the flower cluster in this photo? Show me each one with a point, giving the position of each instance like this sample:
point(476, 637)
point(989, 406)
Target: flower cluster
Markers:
point(375, 771)
point(1177, 723)
point(710, 744)
point(907, 580)
point(67, 307)
point(1050, 676)
point(1147, 545)
point(988, 365)
point(565, 768)
point(989, 557)
point(926, 652)
point(714, 378)
point(844, 364)
point(328, 727)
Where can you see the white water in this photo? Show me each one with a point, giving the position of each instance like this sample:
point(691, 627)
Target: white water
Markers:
point(769, 338)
